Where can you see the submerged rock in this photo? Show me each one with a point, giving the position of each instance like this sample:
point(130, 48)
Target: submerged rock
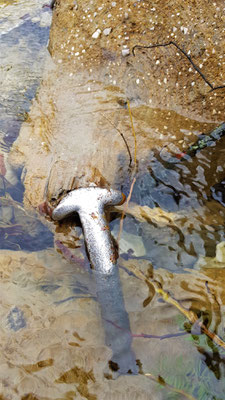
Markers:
point(220, 252)
point(213, 262)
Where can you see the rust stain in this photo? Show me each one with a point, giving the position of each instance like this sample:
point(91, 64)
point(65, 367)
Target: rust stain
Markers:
point(113, 258)
point(68, 396)
point(76, 335)
point(74, 344)
point(45, 208)
point(38, 366)
point(105, 228)
point(94, 216)
point(81, 377)
point(30, 396)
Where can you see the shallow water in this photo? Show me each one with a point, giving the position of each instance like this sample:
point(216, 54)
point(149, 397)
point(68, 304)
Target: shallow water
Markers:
point(52, 332)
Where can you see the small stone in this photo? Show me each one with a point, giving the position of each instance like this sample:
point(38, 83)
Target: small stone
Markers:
point(130, 243)
point(220, 252)
point(46, 20)
point(184, 29)
point(125, 52)
point(107, 31)
point(35, 20)
point(113, 4)
point(96, 34)
point(126, 15)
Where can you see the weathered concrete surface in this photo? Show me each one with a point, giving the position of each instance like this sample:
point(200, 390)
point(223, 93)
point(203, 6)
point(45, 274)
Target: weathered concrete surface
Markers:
point(71, 137)
point(196, 27)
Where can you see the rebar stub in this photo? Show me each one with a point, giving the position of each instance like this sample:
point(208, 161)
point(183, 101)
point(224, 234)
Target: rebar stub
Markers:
point(88, 198)
point(89, 203)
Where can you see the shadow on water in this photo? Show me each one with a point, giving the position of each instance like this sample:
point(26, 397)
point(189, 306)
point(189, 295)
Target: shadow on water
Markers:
point(113, 312)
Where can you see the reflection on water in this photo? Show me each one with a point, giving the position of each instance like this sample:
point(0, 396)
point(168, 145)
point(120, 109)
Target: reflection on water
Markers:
point(52, 335)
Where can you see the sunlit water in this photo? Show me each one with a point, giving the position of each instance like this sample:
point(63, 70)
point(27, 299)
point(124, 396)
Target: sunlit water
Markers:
point(52, 337)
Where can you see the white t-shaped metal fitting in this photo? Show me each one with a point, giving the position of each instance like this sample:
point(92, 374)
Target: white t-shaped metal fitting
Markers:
point(89, 203)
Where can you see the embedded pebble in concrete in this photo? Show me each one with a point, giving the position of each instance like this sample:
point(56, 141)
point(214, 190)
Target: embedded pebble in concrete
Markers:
point(125, 52)
point(96, 34)
point(107, 31)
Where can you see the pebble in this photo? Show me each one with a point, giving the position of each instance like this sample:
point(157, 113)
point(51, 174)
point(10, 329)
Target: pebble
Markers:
point(96, 34)
point(46, 19)
point(35, 19)
point(125, 52)
point(184, 29)
point(107, 31)
point(220, 252)
point(213, 262)
point(130, 243)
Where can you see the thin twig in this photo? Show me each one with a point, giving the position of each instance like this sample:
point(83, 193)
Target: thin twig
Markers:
point(125, 208)
point(123, 137)
point(134, 179)
point(190, 315)
point(134, 135)
point(147, 335)
point(185, 54)
point(162, 382)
